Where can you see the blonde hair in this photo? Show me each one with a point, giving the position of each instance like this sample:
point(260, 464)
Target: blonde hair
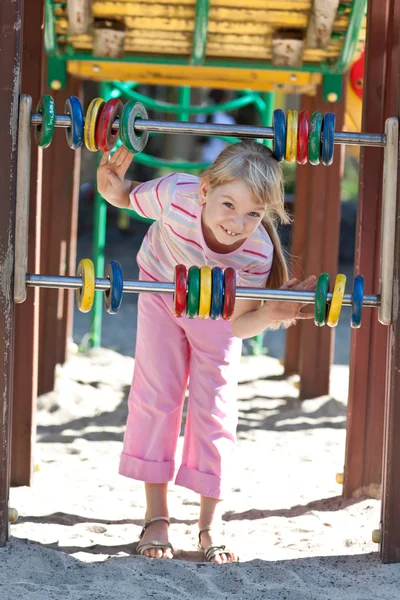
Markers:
point(255, 165)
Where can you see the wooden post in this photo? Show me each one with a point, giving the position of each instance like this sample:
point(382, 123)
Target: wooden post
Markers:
point(316, 248)
point(368, 364)
point(11, 13)
point(27, 313)
point(61, 169)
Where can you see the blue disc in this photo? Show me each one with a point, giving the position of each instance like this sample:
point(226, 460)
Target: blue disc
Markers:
point(217, 294)
point(74, 133)
point(113, 296)
point(279, 125)
point(357, 301)
point(328, 135)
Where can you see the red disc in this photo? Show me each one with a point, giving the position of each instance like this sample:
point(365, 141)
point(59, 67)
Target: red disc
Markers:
point(302, 137)
point(179, 302)
point(105, 137)
point(229, 293)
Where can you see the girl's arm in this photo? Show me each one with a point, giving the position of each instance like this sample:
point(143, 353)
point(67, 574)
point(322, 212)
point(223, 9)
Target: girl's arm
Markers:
point(251, 318)
point(111, 182)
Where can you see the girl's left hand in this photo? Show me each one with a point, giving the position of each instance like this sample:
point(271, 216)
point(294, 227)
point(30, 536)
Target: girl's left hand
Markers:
point(288, 311)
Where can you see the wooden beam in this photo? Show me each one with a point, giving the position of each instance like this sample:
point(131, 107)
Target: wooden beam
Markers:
point(61, 168)
point(27, 313)
point(368, 364)
point(11, 12)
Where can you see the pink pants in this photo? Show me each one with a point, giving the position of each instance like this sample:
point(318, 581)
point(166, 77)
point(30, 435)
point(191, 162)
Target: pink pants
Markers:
point(167, 351)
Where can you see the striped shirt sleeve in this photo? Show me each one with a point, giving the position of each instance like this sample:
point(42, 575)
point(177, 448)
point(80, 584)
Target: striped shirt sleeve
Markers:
point(149, 199)
point(257, 273)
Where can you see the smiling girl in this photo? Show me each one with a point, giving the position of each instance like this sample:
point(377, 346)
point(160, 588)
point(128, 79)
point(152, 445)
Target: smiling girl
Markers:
point(224, 219)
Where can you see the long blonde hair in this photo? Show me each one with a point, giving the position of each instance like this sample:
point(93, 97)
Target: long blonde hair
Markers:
point(255, 165)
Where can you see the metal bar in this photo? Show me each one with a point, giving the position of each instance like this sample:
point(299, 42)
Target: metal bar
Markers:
point(388, 223)
point(22, 199)
point(243, 131)
point(358, 10)
point(160, 287)
point(200, 32)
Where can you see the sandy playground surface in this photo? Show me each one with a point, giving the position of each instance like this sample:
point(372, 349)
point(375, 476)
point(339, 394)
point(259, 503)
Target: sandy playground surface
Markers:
point(297, 539)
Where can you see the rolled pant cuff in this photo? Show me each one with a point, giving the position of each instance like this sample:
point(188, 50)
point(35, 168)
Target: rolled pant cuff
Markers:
point(201, 483)
point(145, 470)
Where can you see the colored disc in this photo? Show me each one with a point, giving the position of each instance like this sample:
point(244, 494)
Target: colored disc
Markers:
point(320, 299)
point(133, 141)
point(229, 293)
point(205, 292)
point(314, 141)
point(113, 296)
point(291, 136)
point(179, 300)
point(85, 294)
point(106, 138)
point(74, 133)
point(217, 294)
point(357, 301)
point(193, 299)
point(278, 123)
point(92, 114)
point(44, 132)
point(302, 138)
point(337, 301)
point(328, 135)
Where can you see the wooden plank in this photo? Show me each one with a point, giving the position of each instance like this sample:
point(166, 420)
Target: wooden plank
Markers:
point(10, 69)
point(27, 314)
point(59, 214)
point(390, 531)
point(363, 456)
point(321, 255)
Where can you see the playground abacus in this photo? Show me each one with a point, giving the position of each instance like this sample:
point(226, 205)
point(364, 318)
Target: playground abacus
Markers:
point(201, 291)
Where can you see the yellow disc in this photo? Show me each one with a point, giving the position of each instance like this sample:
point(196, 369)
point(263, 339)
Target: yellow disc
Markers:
point(205, 292)
point(92, 114)
point(291, 135)
point(337, 300)
point(85, 294)
point(12, 515)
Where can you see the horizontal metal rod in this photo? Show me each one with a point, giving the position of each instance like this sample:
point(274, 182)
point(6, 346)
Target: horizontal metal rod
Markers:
point(159, 287)
point(209, 129)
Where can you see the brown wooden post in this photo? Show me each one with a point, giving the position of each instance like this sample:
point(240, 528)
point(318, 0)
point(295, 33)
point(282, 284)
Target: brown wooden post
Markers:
point(368, 364)
point(27, 313)
point(298, 248)
point(11, 15)
point(61, 169)
point(316, 248)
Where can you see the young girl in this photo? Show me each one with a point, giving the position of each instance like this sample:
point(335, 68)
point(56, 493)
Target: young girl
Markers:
point(224, 219)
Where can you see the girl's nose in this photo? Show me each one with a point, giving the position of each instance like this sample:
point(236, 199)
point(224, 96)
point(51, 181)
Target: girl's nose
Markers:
point(237, 225)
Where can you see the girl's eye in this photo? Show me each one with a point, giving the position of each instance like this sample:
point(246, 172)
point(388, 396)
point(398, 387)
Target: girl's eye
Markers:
point(254, 214)
point(228, 204)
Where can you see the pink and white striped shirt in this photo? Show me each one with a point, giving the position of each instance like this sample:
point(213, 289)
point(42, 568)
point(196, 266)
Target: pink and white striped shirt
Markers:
point(176, 237)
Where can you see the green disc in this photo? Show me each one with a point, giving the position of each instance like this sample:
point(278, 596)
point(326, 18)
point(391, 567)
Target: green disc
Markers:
point(133, 142)
point(314, 141)
point(44, 132)
point(320, 299)
point(193, 299)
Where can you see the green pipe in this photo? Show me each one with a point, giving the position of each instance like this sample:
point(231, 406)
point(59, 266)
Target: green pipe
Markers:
point(99, 242)
point(50, 42)
point(356, 20)
point(200, 32)
point(266, 121)
point(184, 101)
point(150, 103)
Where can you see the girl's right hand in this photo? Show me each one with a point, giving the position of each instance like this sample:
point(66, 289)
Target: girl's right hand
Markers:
point(111, 172)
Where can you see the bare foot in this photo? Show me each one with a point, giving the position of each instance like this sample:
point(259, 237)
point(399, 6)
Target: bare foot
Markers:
point(157, 531)
point(207, 539)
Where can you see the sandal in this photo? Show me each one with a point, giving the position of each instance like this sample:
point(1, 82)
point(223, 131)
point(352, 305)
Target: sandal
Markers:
point(212, 551)
point(154, 543)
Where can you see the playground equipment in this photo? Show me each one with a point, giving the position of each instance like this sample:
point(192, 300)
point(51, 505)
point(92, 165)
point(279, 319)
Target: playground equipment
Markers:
point(279, 45)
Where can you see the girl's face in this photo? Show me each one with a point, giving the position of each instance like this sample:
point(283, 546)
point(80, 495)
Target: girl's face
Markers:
point(230, 215)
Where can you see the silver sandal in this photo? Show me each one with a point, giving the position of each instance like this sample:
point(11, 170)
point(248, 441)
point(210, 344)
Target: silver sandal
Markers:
point(140, 549)
point(212, 551)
